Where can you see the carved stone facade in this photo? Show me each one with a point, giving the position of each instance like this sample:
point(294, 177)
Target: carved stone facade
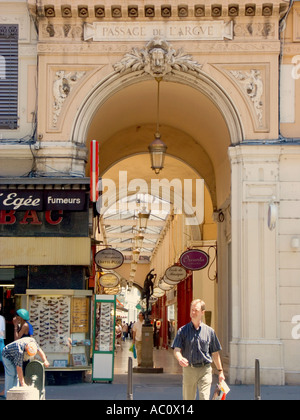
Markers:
point(228, 75)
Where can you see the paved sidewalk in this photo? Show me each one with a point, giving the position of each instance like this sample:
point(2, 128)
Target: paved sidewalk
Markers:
point(159, 387)
point(156, 387)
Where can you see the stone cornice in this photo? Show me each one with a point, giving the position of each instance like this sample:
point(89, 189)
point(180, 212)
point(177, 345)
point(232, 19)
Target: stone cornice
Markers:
point(157, 9)
point(121, 48)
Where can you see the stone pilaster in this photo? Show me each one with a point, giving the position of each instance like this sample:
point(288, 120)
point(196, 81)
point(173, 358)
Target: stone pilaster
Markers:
point(255, 283)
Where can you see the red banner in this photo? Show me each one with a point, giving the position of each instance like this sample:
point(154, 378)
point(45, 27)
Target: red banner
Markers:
point(94, 171)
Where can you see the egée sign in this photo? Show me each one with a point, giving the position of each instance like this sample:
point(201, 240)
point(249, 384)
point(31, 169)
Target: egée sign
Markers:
point(38, 200)
point(43, 213)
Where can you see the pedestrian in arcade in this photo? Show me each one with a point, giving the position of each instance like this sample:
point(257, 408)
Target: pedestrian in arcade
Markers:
point(2, 332)
point(13, 356)
point(137, 336)
point(196, 346)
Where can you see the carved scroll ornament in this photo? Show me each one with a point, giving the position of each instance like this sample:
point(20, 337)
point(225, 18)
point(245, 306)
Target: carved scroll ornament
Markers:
point(252, 84)
point(62, 86)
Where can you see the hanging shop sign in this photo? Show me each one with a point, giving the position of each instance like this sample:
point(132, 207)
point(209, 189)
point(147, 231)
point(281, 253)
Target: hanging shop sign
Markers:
point(39, 200)
point(109, 280)
point(109, 258)
point(170, 282)
point(164, 286)
point(176, 273)
point(158, 292)
point(194, 259)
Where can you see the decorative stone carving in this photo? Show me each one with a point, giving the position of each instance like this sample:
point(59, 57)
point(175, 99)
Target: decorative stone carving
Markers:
point(99, 11)
point(216, 10)
point(62, 86)
point(267, 9)
point(252, 84)
point(61, 31)
point(49, 11)
point(157, 59)
point(199, 10)
point(166, 10)
point(116, 11)
point(250, 9)
point(149, 11)
point(83, 11)
point(183, 10)
point(133, 11)
point(66, 11)
point(233, 10)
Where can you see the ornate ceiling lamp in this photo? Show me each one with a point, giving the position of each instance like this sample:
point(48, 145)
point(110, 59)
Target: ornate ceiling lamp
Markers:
point(157, 148)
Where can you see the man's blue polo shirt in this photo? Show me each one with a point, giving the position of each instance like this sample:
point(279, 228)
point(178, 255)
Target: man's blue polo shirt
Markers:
point(197, 346)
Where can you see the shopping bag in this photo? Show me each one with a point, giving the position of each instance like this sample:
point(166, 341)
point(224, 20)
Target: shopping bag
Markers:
point(221, 390)
point(134, 351)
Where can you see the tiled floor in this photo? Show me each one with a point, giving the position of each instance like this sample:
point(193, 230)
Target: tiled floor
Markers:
point(161, 358)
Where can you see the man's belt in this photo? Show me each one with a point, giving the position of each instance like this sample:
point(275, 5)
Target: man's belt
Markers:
point(195, 365)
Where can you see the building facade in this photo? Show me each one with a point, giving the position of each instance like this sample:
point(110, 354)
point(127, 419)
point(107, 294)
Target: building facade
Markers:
point(229, 114)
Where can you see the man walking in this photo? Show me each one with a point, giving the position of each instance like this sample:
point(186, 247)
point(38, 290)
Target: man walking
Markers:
point(137, 336)
point(196, 346)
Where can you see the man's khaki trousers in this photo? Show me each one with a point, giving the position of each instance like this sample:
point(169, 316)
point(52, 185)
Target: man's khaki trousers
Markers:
point(197, 377)
point(138, 346)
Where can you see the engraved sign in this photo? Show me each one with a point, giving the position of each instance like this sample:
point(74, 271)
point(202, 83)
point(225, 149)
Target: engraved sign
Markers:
point(109, 258)
point(176, 273)
point(176, 31)
point(194, 259)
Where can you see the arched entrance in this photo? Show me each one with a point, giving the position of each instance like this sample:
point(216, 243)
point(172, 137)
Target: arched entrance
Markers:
point(198, 122)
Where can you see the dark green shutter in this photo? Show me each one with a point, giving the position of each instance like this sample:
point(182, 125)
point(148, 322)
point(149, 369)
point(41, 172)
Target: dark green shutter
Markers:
point(9, 36)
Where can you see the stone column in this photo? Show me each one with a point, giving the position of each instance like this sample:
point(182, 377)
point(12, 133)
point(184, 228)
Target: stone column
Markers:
point(147, 365)
point(255, 283)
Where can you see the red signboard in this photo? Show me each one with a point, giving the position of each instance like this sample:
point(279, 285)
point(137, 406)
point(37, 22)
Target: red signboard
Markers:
point(94, 178)
point(194, 259)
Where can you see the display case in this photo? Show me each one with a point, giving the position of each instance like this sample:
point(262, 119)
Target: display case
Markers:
point(61, 325)
point(104, 337)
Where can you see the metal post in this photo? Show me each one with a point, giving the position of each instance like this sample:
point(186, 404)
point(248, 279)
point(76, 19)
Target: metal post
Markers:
point(129, 384)
point(257, 395)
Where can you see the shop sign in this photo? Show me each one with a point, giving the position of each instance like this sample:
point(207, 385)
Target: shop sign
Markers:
point(109, 280)
point(164, 286)
point(44, 223)
point(176, 273)
point(170, 282)
point(158, 292)
point(109, 258)
point(38, 200)
point(194, 259)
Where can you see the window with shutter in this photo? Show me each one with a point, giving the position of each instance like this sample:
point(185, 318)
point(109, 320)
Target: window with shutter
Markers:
point(9, 36)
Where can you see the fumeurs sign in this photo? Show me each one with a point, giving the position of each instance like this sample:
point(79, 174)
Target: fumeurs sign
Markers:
point(39, 200)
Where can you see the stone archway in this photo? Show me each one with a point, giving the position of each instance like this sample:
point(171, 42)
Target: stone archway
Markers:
point(130, 83)
point(175, 69)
